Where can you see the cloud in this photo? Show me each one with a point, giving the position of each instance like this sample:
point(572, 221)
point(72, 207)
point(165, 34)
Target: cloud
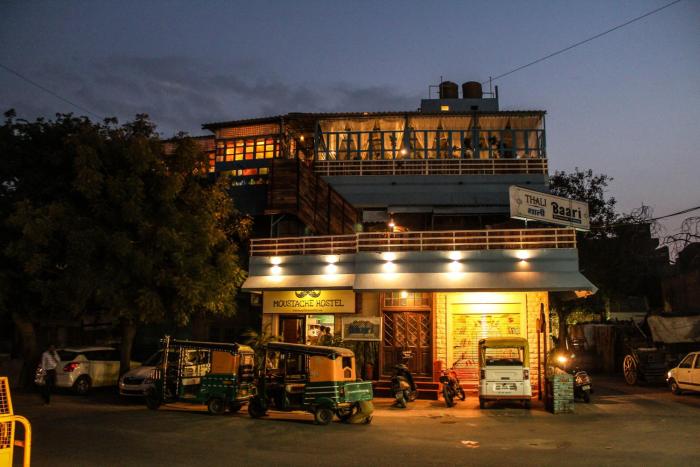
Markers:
point(181, 93)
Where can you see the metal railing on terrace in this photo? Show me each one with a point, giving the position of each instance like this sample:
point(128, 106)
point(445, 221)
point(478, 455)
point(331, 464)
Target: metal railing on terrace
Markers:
point(431, 167)
point(431, 144)
point(456, 240)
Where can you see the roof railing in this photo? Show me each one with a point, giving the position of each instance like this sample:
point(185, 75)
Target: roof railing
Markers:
point(457, 240)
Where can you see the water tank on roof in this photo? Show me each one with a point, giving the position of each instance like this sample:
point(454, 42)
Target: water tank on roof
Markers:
point(472, 90)
point(449, 90)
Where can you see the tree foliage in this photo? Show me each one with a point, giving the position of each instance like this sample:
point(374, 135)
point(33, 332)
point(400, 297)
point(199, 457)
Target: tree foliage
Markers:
point(584, 185)
point(619, 254)
point(100, 222)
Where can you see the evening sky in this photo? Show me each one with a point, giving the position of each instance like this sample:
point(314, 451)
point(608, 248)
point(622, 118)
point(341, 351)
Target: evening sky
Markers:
point(627, 104)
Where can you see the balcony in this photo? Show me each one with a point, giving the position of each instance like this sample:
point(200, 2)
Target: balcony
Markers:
point(431, 152)
point(460, 240)
point(431, 167)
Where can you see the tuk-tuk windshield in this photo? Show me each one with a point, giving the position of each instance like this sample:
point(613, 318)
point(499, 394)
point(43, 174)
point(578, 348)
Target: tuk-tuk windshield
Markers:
point(503, 356)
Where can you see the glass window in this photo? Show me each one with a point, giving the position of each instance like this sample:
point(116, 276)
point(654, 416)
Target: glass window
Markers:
point(66, 356)
point(687, 362)
point(697, 361)
point(503, 356)
point(407, 299)
point(319, 329)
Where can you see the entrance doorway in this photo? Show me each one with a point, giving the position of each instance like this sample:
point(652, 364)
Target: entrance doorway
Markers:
point(292, 329)
point(407, 338)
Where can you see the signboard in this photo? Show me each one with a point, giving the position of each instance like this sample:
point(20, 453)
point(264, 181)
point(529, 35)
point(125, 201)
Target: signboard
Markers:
point(362, 328)
point(532, 205)
point(309, 301)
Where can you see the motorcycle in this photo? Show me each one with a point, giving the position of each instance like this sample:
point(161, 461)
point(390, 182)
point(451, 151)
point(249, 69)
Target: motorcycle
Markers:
point(403, 386)
point(583, 384)
point(451, 388)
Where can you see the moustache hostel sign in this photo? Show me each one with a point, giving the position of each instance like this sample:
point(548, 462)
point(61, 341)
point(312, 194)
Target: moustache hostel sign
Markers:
point(309, 301)
point(532, 205)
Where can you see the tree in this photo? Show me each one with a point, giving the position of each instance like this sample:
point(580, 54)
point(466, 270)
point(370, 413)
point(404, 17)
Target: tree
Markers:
point(101, 222)
point(584, 185)
point(619, 254)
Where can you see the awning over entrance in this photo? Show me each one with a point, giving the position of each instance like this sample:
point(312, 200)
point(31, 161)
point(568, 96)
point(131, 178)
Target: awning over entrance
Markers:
point(477, 281)
point(466, 281)
point(299, 282)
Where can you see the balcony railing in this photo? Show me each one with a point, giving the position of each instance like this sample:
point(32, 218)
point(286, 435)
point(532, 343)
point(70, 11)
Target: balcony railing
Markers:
point(431, 167)
point(431, 144)
point(458, 240)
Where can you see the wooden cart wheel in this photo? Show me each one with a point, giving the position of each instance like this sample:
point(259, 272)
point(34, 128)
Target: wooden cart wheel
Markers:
point(629, 367)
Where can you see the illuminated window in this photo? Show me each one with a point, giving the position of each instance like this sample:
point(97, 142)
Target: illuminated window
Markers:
point(247, 149)
point(444, 108)
point(404, 299)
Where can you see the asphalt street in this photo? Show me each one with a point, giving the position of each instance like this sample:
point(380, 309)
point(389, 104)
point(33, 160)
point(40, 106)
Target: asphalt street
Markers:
point(622, 426)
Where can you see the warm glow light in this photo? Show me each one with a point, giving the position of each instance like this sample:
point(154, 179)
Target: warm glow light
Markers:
point(276, 270)
point(276, 260)
point(332, 259)
point(331, 269)
point(455, 266)
point(522, 255)
point(404, 151)
point(301, 138)
point(404, 294)
point(445, 108)
point(389, 266)
point(455, 255)
point(388, 256)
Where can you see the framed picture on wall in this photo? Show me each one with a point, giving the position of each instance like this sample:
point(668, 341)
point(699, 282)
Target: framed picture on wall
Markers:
point(362, 328)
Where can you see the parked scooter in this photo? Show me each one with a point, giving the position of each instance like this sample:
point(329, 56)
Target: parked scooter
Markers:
point(451, 387)
point(403, 386)
point(583, 384)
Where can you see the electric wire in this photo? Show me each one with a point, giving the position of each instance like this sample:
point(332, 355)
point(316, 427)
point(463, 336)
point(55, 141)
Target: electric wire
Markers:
point(572, 46)
point(47, 90)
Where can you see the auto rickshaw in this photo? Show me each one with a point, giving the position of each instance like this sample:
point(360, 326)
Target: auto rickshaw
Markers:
point(504, 370)
point(219, 375)
point(316, 379)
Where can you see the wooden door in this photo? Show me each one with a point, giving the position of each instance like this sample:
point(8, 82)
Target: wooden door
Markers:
point(408, 338)
point(292, 329)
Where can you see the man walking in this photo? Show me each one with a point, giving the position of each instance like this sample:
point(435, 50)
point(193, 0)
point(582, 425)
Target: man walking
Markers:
point(49, 362)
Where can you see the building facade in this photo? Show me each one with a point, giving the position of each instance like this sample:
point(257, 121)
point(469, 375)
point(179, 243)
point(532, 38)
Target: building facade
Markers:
point(393, 228)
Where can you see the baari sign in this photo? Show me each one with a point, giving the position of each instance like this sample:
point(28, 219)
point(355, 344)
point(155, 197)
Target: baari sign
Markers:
point(309, 301)
point(532, 205)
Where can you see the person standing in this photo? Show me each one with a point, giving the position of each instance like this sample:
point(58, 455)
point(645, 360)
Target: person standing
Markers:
point(49, 362)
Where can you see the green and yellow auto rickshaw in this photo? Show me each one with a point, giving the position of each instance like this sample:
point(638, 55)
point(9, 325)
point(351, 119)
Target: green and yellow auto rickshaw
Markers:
point(316, 379)
point(219, 375)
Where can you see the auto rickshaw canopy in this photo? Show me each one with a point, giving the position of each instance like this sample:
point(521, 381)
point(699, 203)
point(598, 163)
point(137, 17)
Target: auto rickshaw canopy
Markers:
point(325, 364)
point(504, 343)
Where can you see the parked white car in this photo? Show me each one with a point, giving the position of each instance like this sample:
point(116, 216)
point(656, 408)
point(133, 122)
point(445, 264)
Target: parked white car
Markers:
point(83, 368)
point(136, 381)
point(686, 376)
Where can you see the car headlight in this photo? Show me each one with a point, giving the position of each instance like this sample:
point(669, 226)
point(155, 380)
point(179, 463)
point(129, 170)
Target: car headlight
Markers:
point(668, 375)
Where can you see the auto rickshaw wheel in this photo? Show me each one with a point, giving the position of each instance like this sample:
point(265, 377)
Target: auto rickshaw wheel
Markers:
point(152, 398)
point(323, 415)
point(527, 404)
point(629, 368)
point(234, 407)
point(344, 414)
point(216, 406)
point(255, 408)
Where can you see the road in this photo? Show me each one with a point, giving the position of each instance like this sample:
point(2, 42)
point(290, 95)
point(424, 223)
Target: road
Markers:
point(622, 426)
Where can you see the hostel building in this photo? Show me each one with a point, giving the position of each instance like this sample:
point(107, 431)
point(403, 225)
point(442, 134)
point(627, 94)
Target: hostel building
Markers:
point(395, 228)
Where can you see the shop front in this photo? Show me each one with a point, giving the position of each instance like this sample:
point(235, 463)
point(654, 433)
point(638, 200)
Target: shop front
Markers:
point(427, 309)
point(311, 317)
